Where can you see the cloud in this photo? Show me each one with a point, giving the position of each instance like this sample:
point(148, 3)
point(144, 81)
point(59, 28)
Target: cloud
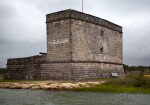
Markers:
point(23, 23)
point(22, 30)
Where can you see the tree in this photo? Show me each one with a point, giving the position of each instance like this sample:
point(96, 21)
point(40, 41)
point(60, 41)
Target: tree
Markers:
point(2, 70)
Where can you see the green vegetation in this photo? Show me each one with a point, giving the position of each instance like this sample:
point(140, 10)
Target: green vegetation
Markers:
point(2, 70)
point(134, 81)
point(95, 79)
point(1, 80)
point(112, 88)
point(1, 77)
point(136, 68)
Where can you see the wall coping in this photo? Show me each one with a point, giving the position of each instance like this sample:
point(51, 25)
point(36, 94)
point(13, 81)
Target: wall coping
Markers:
point(76, 15)
point(35, 56)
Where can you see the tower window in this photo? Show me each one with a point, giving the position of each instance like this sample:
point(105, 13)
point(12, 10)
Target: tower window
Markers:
point(101, 49)
point(102, 33)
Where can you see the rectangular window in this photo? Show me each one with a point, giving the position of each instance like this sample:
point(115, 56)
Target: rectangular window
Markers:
point(101, 49)
point(102, 33)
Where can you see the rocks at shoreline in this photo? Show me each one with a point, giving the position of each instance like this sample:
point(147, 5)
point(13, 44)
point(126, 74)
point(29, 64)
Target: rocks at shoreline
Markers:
point(47, 86)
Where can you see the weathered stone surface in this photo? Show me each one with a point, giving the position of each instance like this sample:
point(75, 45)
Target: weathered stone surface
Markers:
point(25, 86)
point(45, 87)
point(15, 87)
point(76, 15)
point(83, 85)
point(35, 87)
point(75, 85)
point(32, 85)
point(17, 84)
point(5, 85)
point(24, 68)
point(93, 83)
point(79, 46)
point(66, 86)
point(54, 86)
point(43, 84)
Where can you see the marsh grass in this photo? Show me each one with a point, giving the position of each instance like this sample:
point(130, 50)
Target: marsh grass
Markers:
point(132, 79)
point(114, 88)
point(1, 80)
point(1, 77)
point(133, 82)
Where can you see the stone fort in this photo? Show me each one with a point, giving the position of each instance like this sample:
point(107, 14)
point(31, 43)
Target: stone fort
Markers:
point(79, 46)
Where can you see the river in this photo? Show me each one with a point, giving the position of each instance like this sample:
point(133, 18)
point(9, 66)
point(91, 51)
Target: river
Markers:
point(40, 97)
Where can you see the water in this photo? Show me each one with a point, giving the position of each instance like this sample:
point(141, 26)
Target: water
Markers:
point(40, 97)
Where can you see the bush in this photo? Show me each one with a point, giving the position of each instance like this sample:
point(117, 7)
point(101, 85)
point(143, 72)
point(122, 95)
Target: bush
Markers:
point(135, 68)
point(146, 72)
point(1, 77)
point(2, 70)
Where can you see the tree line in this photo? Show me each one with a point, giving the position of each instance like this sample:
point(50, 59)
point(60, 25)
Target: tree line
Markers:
point(145, 69)
point(2, 70)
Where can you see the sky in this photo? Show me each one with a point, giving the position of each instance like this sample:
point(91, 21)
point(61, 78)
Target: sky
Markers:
point(23, 28)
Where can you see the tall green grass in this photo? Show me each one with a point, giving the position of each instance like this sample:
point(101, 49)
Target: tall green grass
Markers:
point(1, 77)
point(112, 88)
point(132, 79)
point(131, 83)
point(1, 80)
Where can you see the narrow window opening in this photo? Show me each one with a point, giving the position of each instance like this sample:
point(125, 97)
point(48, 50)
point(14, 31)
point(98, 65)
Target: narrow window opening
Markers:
point(101, 49)
point(102, 33)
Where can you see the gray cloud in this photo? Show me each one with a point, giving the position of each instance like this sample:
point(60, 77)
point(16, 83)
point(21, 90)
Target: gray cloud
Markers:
point(23, 28)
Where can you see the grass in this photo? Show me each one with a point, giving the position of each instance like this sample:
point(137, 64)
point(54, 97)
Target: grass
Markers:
point(133, 82)
point(15, 80)
point(1, 77)
point(114, 88)
point(1, 80)
point(96, 79)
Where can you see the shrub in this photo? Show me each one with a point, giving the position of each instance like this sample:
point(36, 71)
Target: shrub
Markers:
point(146, 72)
point(1, 77)
point(2, 70)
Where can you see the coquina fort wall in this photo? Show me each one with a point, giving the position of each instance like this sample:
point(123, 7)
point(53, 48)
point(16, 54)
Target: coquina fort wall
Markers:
point(79, 46)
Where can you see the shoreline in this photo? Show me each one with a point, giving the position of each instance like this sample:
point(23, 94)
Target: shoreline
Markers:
point(88, 86)
point(48, 85)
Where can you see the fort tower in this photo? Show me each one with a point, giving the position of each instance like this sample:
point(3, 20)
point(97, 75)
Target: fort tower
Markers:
point(79, 46)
